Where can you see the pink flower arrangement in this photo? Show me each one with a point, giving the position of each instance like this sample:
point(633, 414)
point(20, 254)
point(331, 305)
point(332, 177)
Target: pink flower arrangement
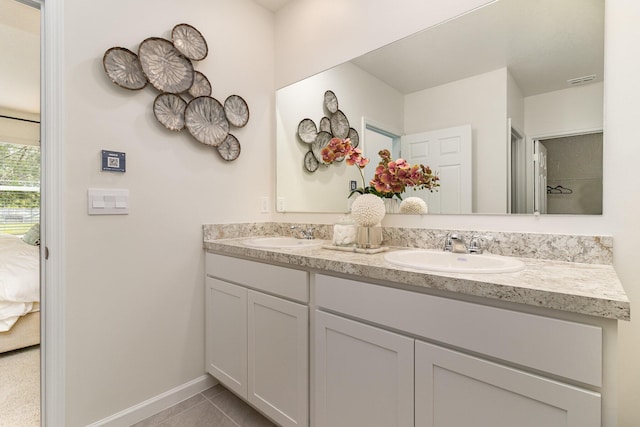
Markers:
point(392, 177)
point(338, 149)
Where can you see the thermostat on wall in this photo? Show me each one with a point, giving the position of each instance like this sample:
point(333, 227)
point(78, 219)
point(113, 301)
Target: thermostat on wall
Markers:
point(113, 161)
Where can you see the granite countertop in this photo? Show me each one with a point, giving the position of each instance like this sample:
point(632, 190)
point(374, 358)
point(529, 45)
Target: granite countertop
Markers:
point(591, 289)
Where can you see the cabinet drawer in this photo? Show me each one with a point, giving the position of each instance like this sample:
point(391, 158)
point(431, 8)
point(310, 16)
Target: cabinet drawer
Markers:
point(272, 279)
point(568, 349)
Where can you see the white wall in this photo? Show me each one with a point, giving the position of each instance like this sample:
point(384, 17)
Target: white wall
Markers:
point(621, 195)
point(135, 283)
point(480, 101)
point(564, 111)
point(19, 131)
point(299, 39)
point(515, 104)
point(360, 95)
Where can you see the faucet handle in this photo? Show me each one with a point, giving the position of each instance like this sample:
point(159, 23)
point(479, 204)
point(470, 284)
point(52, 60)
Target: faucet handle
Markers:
point(448, 243)
point(475, 245)
point(303, 233)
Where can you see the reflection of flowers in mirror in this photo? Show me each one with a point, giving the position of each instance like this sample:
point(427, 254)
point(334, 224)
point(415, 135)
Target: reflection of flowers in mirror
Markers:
point(338, 149)
point(392, 177)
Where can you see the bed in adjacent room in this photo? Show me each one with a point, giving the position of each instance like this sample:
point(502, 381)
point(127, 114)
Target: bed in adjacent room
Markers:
point(19, 290)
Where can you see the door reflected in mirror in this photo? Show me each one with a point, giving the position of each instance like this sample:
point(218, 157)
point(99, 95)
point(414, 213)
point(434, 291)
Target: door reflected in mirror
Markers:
point(512, 73)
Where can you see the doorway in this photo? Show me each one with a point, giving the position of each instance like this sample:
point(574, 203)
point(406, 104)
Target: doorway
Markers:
point(572, 181)
point(20, 179)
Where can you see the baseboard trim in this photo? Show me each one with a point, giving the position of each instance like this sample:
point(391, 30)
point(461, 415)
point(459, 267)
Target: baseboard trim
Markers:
point(157, 404)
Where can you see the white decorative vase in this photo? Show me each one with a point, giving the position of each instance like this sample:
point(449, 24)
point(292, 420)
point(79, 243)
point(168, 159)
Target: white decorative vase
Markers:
point(367, 210)
point(369, 237)
point(413, 205)
point(391, 205)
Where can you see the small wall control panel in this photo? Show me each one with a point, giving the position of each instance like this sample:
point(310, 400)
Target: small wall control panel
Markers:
point(108, 201)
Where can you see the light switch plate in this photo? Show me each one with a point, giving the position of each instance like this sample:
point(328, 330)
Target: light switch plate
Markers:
point(107, 201)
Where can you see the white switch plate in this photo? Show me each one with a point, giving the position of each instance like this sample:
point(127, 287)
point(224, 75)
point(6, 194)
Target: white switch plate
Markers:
point(107, 201)
point(280, 204)
point(264, 204)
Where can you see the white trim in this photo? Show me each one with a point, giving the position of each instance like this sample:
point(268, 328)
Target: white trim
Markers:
point(52, 271)
point(564, 133)
point(157, 404)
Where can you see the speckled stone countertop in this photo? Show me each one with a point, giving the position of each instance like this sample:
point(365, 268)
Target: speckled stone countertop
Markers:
point(591, 289)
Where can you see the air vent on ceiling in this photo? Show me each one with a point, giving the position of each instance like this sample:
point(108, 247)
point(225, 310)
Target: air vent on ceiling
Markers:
point(581, 80)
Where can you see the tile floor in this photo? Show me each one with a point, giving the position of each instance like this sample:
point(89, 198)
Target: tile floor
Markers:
point(215, 407)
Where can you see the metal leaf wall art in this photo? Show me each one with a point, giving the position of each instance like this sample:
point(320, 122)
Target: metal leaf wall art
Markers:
point(185, 99)
point(334, 125)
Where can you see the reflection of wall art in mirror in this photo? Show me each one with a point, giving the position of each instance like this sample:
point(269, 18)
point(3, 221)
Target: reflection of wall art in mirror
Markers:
point(335, 125)
point(185, 99)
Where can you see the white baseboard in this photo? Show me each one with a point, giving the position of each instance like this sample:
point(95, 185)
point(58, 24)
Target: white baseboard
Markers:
point(157, 404)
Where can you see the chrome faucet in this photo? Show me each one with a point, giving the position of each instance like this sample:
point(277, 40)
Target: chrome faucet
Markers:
point(301, 233)
point(455, 243)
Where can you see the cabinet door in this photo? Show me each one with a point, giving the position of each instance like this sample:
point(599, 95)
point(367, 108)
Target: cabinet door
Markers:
point(457, 390)
point(363, 375)
point(226, 334)
point(279, 358)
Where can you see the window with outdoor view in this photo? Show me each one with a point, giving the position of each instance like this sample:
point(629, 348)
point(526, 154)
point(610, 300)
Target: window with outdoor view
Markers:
point(19, 187)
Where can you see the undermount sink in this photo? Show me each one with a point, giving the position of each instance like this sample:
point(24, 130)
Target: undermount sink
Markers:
point(282, 242)
point(434, 260)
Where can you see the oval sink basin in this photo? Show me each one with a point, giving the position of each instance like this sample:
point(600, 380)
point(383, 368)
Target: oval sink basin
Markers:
point(453, 263)
point(282, 242)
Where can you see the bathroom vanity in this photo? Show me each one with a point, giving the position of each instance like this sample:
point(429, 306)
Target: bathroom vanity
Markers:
point(311, 336)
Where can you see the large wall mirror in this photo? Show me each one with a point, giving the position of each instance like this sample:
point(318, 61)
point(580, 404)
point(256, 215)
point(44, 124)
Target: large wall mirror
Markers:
point(513, 90)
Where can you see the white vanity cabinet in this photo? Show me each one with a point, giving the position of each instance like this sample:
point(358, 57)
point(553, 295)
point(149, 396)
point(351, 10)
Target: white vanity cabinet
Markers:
point(257, 328)
point(457, 363)
point(364, 375)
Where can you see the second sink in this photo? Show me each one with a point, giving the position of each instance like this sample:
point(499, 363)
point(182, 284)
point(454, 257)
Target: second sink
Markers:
point(434, 260)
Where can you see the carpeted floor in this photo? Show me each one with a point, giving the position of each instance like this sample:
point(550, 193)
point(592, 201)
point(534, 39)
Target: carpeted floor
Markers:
point(20, 388)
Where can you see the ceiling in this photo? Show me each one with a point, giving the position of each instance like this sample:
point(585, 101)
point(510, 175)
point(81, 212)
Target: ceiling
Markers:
point(543, 43)
point(273, 5)
point(20, 65)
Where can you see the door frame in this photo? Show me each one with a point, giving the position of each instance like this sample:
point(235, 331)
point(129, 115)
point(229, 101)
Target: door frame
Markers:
point(52, 330)
point(551, 135)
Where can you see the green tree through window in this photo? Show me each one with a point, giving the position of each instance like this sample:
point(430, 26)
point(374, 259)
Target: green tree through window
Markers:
point(19, 187)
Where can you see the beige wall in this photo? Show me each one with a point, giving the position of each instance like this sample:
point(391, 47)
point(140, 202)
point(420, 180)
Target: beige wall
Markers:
point(135, 284)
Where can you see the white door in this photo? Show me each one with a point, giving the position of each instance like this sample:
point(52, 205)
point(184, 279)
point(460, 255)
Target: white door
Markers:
point(540, 166)
point(457, 390)
point(447, 152)
point(278, 358)
point(363, 375)
point(226, 334)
